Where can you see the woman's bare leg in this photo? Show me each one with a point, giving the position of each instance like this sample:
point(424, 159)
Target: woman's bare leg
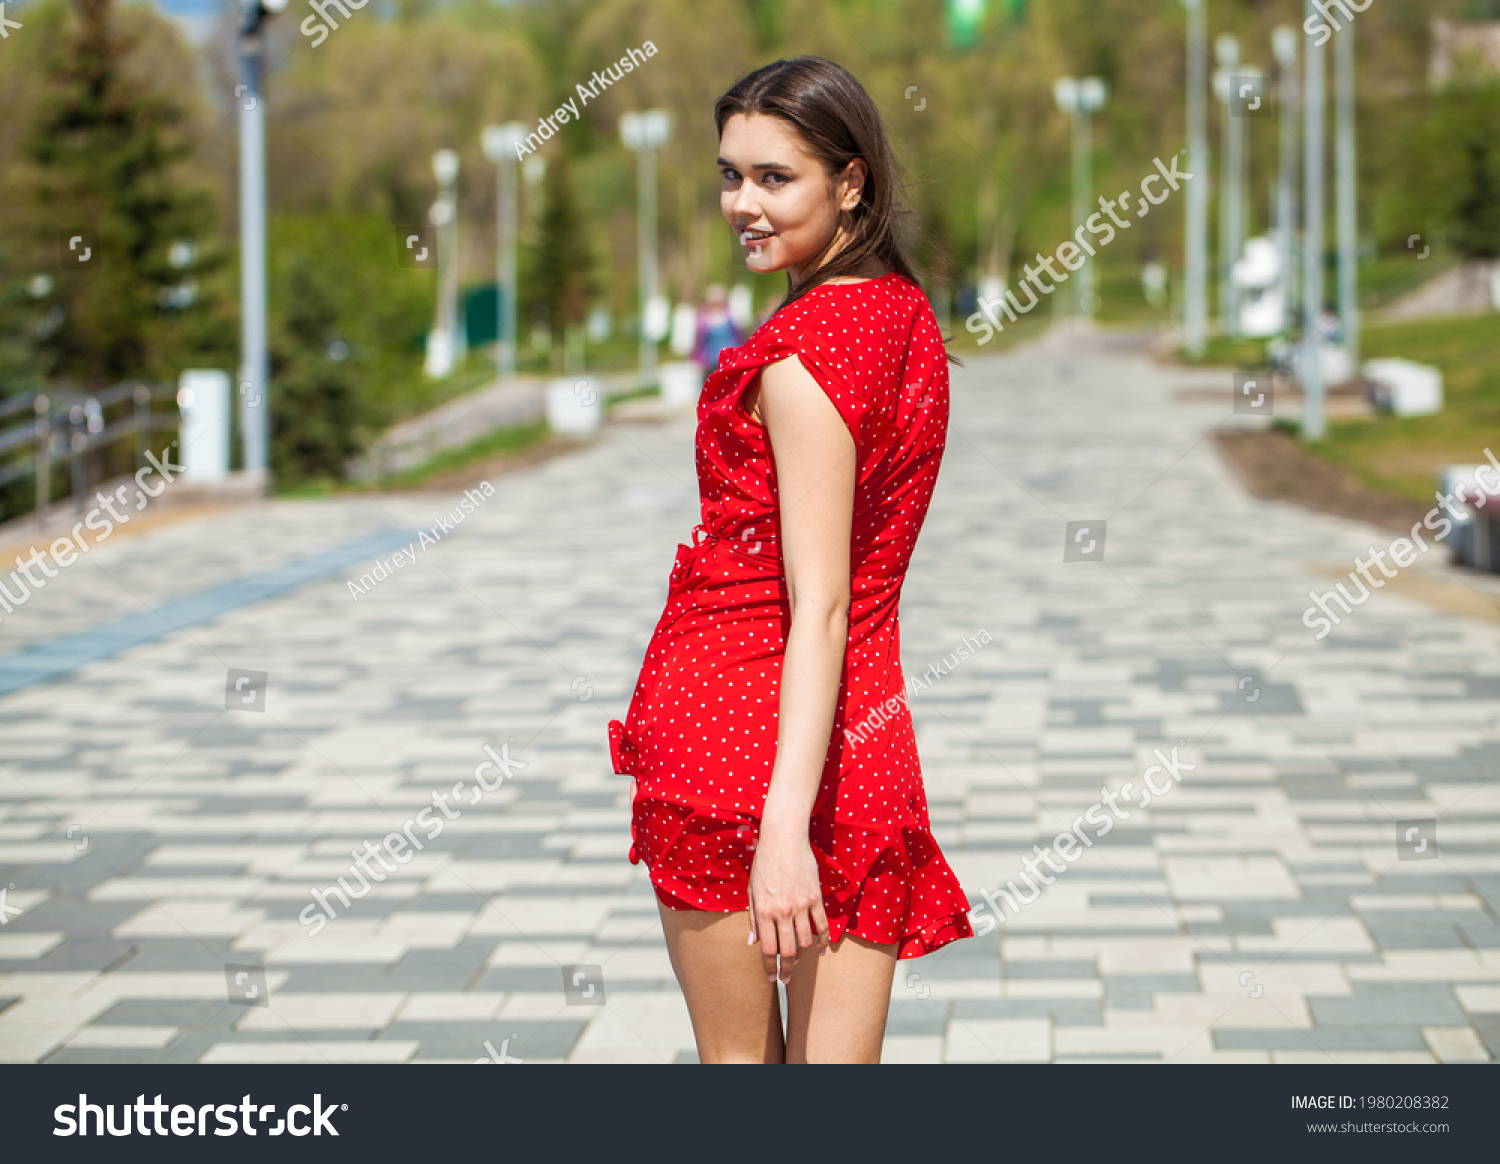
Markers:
point(735, 1009)
point(837, 1003)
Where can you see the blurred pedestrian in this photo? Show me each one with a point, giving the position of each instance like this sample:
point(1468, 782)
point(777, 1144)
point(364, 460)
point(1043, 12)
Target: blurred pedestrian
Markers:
point(716, 329)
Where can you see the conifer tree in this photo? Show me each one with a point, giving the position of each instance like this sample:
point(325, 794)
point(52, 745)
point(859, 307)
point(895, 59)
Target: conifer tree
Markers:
point(1477, 225)
point(560, 281)
point(106, 148)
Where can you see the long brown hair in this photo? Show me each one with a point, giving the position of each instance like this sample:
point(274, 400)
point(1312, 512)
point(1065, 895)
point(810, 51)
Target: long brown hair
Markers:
point(837, 122)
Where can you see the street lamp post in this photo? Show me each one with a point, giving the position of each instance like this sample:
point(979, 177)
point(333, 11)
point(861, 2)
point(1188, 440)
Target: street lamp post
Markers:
point(1080, 100)
point(500, 147)
point(1195, 307)
point(645, 133)
point(1344, 184)
point(1284, 45)
point(442, 345)
point(1227, 53)
point(1312, 237)
point(255, 365)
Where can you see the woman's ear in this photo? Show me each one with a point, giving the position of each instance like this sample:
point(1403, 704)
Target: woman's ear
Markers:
point(852, 183)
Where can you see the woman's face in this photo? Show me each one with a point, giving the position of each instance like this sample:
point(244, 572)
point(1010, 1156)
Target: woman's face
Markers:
point(779, 199)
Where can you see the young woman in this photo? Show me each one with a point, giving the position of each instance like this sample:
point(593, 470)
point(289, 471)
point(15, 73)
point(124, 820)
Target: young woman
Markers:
point(777, 797)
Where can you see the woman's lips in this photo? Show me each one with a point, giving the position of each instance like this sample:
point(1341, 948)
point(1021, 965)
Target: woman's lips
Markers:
point(755, 241)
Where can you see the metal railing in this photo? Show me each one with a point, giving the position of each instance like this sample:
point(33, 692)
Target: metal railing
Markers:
point(68, 425)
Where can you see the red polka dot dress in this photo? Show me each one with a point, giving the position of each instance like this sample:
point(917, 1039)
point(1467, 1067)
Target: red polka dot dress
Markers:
point(700, 735)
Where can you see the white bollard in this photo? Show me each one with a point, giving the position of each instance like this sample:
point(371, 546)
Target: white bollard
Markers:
point(681, 381)
point(575, 405)
point(684, 330)
point(203, 440)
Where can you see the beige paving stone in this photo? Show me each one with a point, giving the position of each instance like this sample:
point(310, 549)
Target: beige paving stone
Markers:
point(323, 1011)
point(648, 1027)
point(539, 953)
point(170, 888)
point(189, 918)
point(1206, 878)
point(1351, 1057)
point(308, 1052)
point(1456, 1044)
point(449, 1007)
point(515, 914)
point(998, 1041)
point(38, 944)
point(912, 1049)
point(1479, 999)
point(128, 1038)
point(1311, 935)
point(529, 1005)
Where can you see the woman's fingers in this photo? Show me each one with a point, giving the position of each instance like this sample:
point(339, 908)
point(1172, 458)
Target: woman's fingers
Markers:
point(820, 924)
point(770, 941)
point(803, 927)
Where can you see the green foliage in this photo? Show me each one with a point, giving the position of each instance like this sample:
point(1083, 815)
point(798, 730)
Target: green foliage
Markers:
point(1431, 168)
point(21, 367)
point(21, 364)
point(559, 268)
point(346, 333)
point(1477, 216)
point(107, 150)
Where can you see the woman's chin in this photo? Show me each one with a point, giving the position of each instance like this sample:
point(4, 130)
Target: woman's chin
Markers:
point(763, 263)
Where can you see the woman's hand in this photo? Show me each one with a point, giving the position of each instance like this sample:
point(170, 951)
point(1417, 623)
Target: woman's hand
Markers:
point(786, 900)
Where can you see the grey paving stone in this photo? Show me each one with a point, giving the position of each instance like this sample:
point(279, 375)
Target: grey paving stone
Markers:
point(1134, 991)
point(1386, 1004)
point(1382, 1038)
point(1063, 1013)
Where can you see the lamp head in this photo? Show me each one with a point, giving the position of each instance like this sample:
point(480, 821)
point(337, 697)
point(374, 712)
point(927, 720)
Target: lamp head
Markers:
point(445, 167)
point(1092, 93)
point(500, 141)
point(1284, 45)
point(1065, 93)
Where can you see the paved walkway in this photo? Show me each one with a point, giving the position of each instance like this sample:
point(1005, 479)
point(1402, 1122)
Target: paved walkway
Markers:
point(1259, 910)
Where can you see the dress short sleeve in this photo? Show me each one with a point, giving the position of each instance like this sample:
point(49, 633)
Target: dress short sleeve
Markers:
point(831, 370)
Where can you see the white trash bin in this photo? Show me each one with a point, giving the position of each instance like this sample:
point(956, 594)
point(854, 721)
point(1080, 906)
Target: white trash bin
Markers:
point(1405, 388)
point(203, 440)
point(575, 405)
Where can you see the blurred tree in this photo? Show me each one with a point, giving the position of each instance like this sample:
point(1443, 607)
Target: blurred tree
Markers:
point(21, 370)
point(21, 364)
point(347, 322)
point(560, 266)
point(315, 417)
point(1476, 233)
point(106, 148)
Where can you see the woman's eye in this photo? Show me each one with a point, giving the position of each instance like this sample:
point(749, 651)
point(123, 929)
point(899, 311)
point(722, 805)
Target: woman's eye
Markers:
point(774, 180)
point(730, 175)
